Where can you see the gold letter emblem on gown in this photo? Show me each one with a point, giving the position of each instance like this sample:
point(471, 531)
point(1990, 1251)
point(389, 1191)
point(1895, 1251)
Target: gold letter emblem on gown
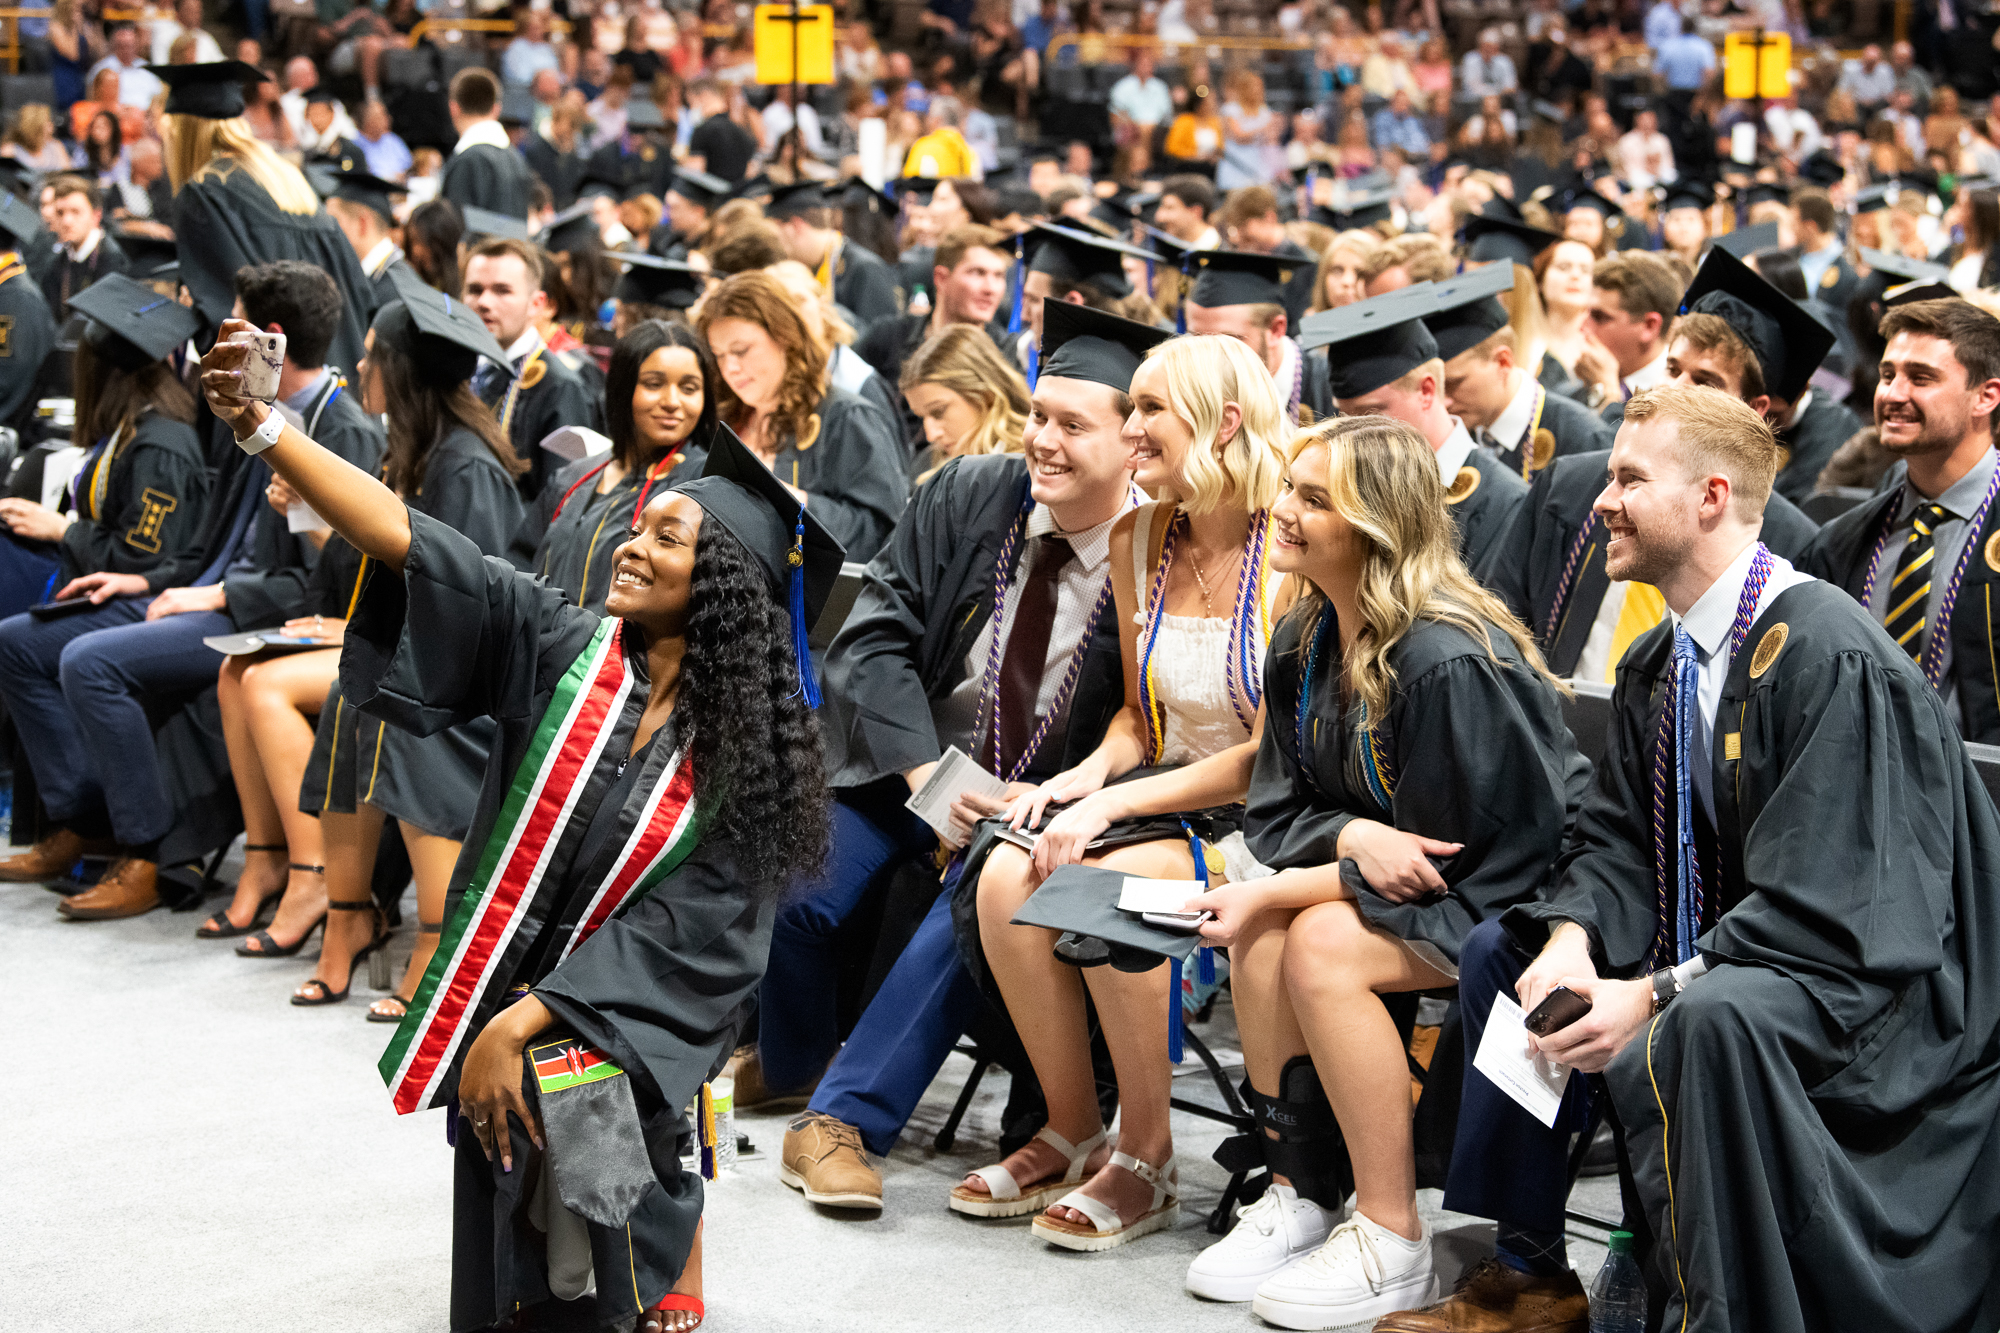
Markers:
point(1768, 649)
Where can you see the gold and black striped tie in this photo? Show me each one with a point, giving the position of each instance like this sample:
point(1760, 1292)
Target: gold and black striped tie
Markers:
point(1910, 590)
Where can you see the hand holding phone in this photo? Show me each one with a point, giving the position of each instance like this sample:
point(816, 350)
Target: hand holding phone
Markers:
point(1558, 1009)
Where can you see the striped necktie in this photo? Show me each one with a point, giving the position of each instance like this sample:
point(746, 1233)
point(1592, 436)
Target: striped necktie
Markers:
point(1910, 590)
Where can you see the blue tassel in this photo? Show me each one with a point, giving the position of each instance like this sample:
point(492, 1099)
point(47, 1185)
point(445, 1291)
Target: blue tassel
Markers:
point(1204, 967)
point(1152, 287)
point(1020, 283)
point(1034, 365)
point(1174, 1013)
point(808, 683)
point(1180, 311)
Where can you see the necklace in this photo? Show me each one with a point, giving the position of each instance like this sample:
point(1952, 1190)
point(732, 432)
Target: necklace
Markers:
point(1207, 599)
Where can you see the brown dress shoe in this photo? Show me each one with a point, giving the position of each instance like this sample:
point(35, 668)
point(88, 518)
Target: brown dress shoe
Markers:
point(129, 888)
point(51, 858)
point(746, 1070)
point(1494, 1298)
point(823, 1159)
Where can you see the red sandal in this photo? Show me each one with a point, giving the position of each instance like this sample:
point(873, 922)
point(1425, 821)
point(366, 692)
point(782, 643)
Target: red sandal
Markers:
point(652, 1322)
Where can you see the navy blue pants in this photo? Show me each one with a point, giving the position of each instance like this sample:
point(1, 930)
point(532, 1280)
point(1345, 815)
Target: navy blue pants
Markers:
point(27, 573)
point(76, 688)
point(1505, 1164)
point(915, 1018)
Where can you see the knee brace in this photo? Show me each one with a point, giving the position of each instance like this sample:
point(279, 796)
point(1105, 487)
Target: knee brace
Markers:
point(1296, 1136)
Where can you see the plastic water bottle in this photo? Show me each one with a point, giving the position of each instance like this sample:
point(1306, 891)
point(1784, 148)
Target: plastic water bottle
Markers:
point(1618, 1297)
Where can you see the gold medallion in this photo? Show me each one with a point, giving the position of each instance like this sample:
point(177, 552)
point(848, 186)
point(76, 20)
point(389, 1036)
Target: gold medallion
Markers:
point(1544, 451)
point(1830, 278)
point(1462, 486)
point(1784, 458)
point(532, 375)
point(1993, 553)
point(1768, 649)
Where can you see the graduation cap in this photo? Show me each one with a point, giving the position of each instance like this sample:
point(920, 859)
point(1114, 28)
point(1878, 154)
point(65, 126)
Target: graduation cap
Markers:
point(1355, 208)
point(1069, 255)
point(639, 189)
point(651, 280)
point(1906, 292)
point(797, 199)
point(517, 106)
point(1468, 309)
point(1593, 201)
point(485, 222)
point(369, 191)
point(855, 192)
point(1079, 343)
point(211, 91)
point(18, 176)
point(758, 187)
point(643, 113)
point(1784, 337)
point(1766, 192)
point(1239, 277)
point(801, 559)
point(1745, 241)
point(130, 324)
point(444, 339)
point(698, 187)
point(1497, 237)
point(1903, 267)
point(322, 96)
point(1374, 342)
point(1686, 193)
point(575, 228)
point(18, 218)
point(1823, 169)
point(1083, 900)
point(1873, 199)
point(149, 254)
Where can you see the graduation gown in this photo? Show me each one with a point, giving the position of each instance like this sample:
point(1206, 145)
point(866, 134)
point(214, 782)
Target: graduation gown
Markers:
point(625, 167)
point(854, 470)
point(139, 505)
point(864, 284)
point(1316, 393)
point(924, 602)
point(1298, 290)
point(890, 342)
point(661, 988)
point(27, 336)
point(1824, 1105)
point(569, 533)
point(66, 277)
point(1573, 428)
point(1524, 568)
point(1840, 553)
point(228, 222)
point(1482, 500)
point(561, 172)
point(544, 396)
point(482, 176)
point(1809, 442)
point(1472, 750)
point(382, 283)
point(1556, 379)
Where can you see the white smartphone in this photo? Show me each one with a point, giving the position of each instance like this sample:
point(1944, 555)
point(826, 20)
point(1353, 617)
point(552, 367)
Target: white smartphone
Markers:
point(263, 366)
point(1188, 921)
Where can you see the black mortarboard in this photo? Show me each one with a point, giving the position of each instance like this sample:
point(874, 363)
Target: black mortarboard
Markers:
point(1872, 199)
point(1493, 239)
point(212, 91)
point(130, 324)
point(651, 280)
point(1765, 192)
point(485, 222)
point(1903, 267)
point(1374, 342)
point(638, 189)
point(1923, 290)
point(18, 218)
point(1823, 169)
point(797, 199)
point(855, 192)
point(1784, 337)
point(1083, 900)
point(1079, 343)
point(369, 191)
point(1746, 241)
point(1238, 277)
point(1468, 309)
point(698, 187)
point(1069, 255)
point(18, 176)
point(575, 228)
point(444, 339)
point(801, 559)
point(1355, 208)
point(148, 254)
point(1686, 193)
point(322, 96)
point(1592, 200)
point(918, 188)
point(517, 107)
point(759, 187)
point(643, 113)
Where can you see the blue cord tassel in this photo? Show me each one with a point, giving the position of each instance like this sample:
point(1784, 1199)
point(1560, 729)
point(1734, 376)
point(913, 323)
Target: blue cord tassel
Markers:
point(1034, 365)
point(808, 683)
point(1174, 1046)
point(1204, 966)
point(1020, 283)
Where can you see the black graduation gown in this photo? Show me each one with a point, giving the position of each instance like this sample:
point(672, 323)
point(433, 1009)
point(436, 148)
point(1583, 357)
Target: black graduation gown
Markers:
point(431, 780)
point(569, 532)
point(1298, 290)
point(1524, 568)
point(1810, 441)
point(226, 223)
point(1840, 554)
point(382, 286)
point(890, 342)
point(561, 172)
point(1316, 393)
point(151, 505)
point(1577, 430)
point(1837, 284)
point(496, 179)
point(865, 285)
point(557, 397)
point(1556, 379)
point(66, 277)
point(924, 602)
point(1476, 751)
point(661, 988)
point(1482, 500)
point(627, 165)
point(854, 470)
point(27, 336)
point(1824, 1105)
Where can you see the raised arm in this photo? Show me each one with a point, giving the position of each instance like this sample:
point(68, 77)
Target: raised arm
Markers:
point(357, 506)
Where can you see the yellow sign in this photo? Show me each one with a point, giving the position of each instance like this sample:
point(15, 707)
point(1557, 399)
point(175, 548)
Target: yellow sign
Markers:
point(1756, 65)
point(773, 32)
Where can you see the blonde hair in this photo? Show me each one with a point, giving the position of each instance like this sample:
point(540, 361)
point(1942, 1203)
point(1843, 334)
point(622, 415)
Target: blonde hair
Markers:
point(1423, 254)
point(201, 149)
point(964, 360)
point(1203, 372)
point(1361, 244)
point(1382, 479)
point(1719, 433)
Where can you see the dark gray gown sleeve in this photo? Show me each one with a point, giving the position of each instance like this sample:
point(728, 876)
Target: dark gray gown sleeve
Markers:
point(154, 509)
point(859, 484)
point(28, 339)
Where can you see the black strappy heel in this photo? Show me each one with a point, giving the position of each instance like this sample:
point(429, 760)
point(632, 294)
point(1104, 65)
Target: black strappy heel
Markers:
point(379, 1016)
point(326, 994)
point(219, 926)
point(270, 948)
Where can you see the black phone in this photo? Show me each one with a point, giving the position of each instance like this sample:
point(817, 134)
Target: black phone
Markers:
point(53, 610)
point(1558, 1009)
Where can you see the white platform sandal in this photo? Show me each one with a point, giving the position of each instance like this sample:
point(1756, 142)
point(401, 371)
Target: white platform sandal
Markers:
point(1107, 1230)
point(1006, 1198)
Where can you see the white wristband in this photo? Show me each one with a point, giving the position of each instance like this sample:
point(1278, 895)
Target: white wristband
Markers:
point(265, 435)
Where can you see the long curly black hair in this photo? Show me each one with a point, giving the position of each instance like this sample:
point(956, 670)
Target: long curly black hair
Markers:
point(759, 782)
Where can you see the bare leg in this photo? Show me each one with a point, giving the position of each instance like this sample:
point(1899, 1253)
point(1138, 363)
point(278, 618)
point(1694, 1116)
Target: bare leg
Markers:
point(278, 696)
point(1265, 1023)
point(263, 871)
point(681, 1321)
point(431, 862)
point(1335, 965)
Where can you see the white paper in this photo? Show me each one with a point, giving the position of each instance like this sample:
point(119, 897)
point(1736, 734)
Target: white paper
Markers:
point(1156, 895)
point(59, 468)
point(1535, 1081)
point(299, 517)
point(954, 775)
point(574, 442)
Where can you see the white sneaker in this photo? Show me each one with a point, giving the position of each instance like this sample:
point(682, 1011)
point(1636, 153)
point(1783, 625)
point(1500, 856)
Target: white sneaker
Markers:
point(1363, 1272)
point(1269, 1234)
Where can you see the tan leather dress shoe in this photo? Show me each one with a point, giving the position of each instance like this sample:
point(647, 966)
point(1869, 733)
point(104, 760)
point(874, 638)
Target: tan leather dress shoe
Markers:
point(129, 888)
point(51, 858)
point(746, 1069)
point(823, 1159)
point(1494, 1298)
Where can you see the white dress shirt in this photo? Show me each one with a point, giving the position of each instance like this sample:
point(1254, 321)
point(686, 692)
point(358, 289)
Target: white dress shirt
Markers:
point(1451, 455)
point(1650, 375)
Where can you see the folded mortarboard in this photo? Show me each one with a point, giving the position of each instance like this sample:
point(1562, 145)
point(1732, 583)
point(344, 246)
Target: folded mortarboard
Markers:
point(210, 91)
point(1083, 900)
point(1787, 341)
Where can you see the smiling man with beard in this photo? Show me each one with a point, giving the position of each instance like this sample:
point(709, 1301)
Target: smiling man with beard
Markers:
point(1924, 556)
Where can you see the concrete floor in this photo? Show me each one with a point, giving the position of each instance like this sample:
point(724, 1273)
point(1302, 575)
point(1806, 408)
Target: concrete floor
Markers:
point(182, 1149)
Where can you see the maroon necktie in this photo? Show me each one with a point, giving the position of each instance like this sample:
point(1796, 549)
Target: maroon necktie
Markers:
point(1027, 655)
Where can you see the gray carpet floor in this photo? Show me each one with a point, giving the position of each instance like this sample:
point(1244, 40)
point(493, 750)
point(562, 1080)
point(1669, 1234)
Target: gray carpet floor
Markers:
point(183, 1150)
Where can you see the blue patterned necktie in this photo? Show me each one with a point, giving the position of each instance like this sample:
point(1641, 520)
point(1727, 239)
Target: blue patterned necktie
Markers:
point(1687, 716)
point(485, 381)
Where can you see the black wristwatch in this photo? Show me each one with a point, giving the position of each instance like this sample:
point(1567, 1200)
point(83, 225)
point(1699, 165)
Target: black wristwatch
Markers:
point(1665, 987)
